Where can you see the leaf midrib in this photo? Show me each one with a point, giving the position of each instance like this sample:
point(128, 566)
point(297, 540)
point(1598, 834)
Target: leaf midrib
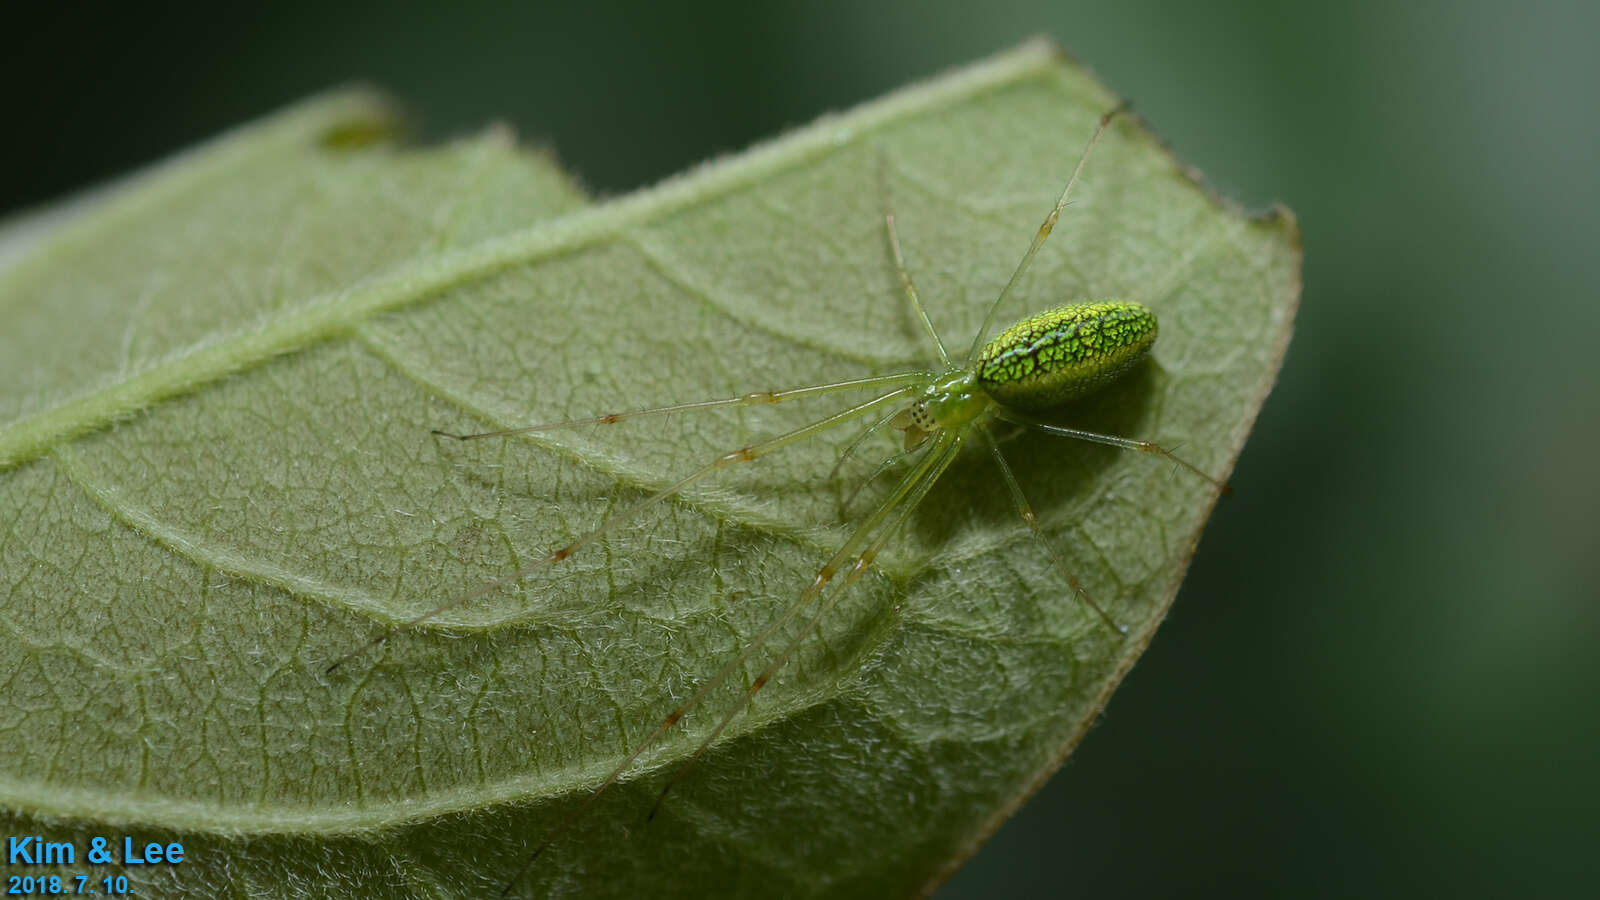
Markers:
point(334, 313)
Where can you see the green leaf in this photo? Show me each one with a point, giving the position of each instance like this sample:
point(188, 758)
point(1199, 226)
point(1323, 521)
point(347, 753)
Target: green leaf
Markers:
point(216, 477)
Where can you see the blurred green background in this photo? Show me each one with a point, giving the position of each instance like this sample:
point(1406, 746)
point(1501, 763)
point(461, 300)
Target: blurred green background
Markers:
point(1379, 677)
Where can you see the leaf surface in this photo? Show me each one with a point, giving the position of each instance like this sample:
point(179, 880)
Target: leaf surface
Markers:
point(218, 478)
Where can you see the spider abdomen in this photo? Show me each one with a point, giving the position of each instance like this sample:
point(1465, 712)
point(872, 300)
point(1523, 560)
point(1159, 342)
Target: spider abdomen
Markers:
point(1066, 352)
